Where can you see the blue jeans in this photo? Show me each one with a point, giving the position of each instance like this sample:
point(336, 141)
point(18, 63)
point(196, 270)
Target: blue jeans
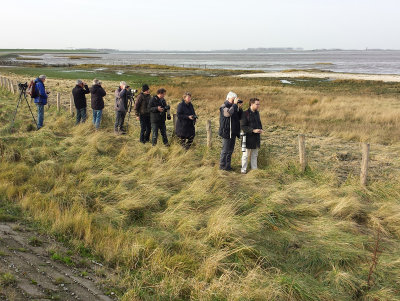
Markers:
point(97, 118)
point(40, 110)
point(80, 115)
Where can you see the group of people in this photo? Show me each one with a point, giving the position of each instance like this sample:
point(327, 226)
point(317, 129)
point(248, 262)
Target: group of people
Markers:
point(153, 111)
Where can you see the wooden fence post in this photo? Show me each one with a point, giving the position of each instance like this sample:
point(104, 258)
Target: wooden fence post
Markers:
point(71, 101)
point(302, 152)
point(58, 101)
point(12, 86)
point(364, 164)
point(209, 134)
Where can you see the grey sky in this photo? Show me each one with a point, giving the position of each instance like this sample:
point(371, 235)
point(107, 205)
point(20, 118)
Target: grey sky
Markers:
point(200, 25)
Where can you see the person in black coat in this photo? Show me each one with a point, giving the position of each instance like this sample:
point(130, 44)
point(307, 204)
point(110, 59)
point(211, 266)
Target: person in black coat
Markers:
point(143, 113)
point(97, 93)
point(79, 94)
point(158, 113)
point(252, 128)
point(229, 128)
point(186, 120)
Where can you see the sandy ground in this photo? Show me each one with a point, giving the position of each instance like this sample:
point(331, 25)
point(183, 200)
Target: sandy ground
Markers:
point(331, 75)
point(38, 276)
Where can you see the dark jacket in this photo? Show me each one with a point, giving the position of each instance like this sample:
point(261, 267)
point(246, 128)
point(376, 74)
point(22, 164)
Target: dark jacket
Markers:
point(97, 93)
point(42, 95)
point(155, 115)
point(79, 96)
point(229, 120)
point(250, 121)
point(184, 125)
point(121, 100)
point(142, 104)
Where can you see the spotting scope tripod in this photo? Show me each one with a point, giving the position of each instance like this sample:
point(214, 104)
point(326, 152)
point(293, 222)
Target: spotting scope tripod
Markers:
point(22, 95)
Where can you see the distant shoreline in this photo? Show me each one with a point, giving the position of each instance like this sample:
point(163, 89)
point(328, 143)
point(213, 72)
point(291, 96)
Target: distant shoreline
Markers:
point(330, 75)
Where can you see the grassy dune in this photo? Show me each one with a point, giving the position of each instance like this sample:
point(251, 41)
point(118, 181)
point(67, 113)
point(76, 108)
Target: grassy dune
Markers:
point(177, 228)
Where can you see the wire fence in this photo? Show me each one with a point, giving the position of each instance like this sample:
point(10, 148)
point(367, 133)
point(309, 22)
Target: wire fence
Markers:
point(65, 102)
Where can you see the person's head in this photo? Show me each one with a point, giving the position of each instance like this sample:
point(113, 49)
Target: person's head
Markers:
point(187, 97)
point(254, 104)
point(231, 97)
point(79, 82)
point(122, 85)
point(96, 82)
point(146, 89)
point(42, 77)
point(161, 92)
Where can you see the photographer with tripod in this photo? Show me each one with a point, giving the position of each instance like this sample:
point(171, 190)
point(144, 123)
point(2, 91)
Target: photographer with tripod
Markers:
point(40, 99)
point(121, 107)
point(143, 113)
point(187, 117)
point(79, 94)
point(159, 111)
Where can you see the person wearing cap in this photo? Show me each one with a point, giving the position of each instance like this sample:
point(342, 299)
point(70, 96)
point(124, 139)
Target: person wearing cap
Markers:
point(143, 114)
point(97, 93)
point(185, 129)
point(41, 99)
point(121, 107)
point(79, 94)
point(229, 128)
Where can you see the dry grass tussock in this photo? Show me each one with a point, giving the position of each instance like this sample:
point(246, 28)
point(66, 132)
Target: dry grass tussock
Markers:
point(177, 228)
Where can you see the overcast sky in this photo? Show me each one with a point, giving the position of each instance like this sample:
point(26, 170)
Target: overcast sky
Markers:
point(200, 25)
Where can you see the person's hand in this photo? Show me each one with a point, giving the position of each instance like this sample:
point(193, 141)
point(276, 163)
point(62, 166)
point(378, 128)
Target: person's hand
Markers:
point(160, 109)
point(190, 117)
point(240, 104)
point(235, 101)
point(257, 131)
point(137, 118)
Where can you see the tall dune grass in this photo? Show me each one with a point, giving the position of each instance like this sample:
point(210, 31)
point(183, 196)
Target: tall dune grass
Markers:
point(176, 228)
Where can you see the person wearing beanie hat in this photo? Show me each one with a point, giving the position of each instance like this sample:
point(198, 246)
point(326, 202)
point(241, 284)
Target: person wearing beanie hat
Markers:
point(143, 114)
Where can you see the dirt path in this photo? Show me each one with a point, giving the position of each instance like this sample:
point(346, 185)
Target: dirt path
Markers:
point(35, 267)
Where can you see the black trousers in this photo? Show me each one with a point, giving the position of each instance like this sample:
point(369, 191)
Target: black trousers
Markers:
point(186, 142)
point(228, 146)
point(163, 130)
point(145, 128)
point(119, 120)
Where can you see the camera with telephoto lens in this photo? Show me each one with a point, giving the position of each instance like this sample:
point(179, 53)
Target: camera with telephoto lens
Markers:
point(240, 101)
point(243, 138)
point(131, 93)
point(22, 86)
point(168, 108)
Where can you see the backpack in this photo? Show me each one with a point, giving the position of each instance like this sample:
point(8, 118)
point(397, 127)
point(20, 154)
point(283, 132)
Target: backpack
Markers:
point(32, 91)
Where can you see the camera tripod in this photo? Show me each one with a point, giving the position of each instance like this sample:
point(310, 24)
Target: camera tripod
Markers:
point(131, 103)
point(22, 95)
